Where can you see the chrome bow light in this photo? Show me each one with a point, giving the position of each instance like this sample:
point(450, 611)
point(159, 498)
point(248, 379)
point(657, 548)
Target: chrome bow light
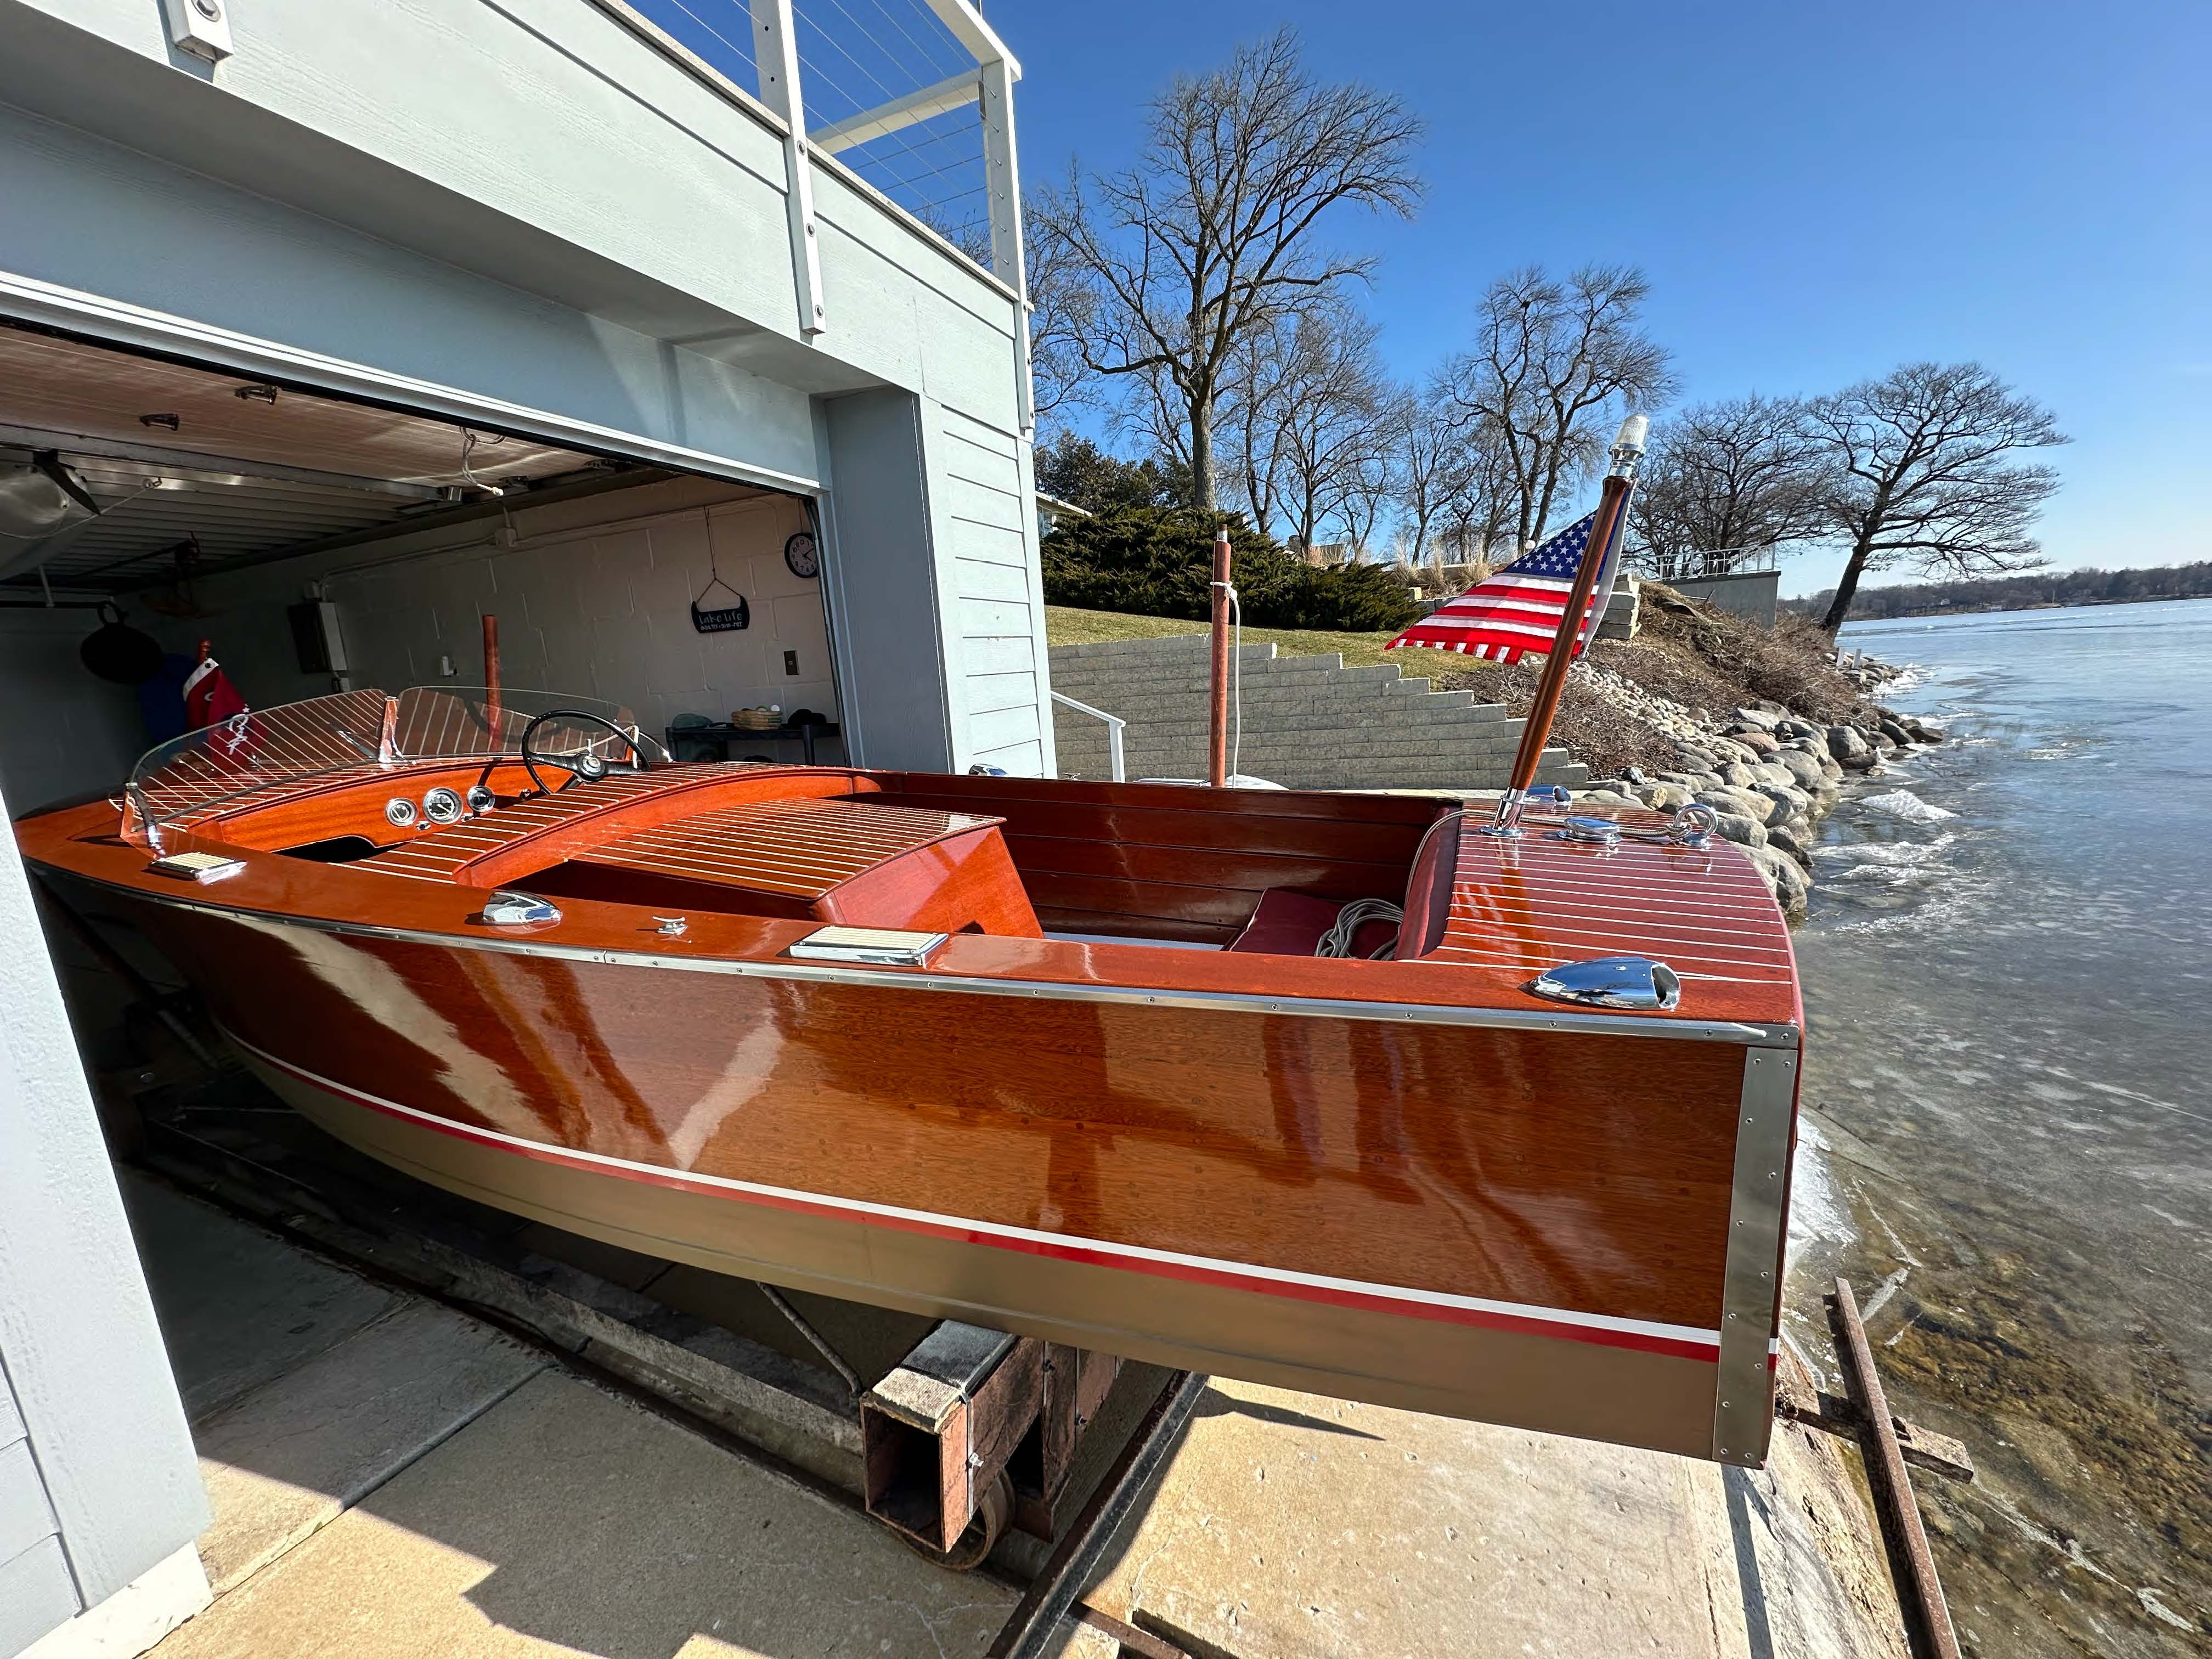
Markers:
point(1630, 982)
point(506, 909)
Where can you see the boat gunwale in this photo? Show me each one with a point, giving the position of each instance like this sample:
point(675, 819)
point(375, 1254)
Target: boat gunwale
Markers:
point(1744, 1033)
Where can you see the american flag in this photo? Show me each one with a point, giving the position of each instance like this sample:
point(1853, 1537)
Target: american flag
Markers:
point(1517, 609)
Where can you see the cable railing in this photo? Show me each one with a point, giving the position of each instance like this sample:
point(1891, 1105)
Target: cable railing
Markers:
point(1699, 562)
point(913, 96)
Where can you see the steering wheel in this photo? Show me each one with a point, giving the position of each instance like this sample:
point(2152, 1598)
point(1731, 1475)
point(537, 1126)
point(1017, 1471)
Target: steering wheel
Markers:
point(584, 763)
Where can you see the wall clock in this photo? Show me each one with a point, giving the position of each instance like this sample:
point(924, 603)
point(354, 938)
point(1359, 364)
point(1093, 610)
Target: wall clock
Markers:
point(799, 554)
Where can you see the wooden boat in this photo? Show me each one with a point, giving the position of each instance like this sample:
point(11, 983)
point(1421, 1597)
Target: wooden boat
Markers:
point(1096, 1087)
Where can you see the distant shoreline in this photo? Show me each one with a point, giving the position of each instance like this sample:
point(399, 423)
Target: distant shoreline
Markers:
point(1998, 610)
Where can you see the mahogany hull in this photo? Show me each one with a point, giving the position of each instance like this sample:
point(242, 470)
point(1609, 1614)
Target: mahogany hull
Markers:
point(1519, 1226)
point(1407, 1181)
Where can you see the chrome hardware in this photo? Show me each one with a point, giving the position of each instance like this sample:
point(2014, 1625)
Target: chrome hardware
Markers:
point(1601, 832)
point(1692, 823)
point(506, 909)
point(672, 926)
point(480, 798)
point(895, 946)
point(443, 805)
point(1514, 802)
point(1633, 982)
point(400, 811)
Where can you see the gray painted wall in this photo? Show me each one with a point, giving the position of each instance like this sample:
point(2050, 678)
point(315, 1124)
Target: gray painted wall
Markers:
point(97, 1478)
point(1756, 594)
point(73, 734)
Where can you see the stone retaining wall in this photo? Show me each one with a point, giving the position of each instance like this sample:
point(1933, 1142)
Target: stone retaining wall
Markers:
point(1309, 722)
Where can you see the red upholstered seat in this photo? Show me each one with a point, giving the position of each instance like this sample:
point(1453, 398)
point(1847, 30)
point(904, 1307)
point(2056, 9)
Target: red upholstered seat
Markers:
point(1289, 924)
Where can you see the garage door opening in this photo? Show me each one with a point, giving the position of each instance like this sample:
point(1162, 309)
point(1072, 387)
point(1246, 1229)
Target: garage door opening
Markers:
point(316, 544)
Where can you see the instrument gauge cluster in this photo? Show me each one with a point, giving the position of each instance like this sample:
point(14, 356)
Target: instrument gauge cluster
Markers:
point(440, 806)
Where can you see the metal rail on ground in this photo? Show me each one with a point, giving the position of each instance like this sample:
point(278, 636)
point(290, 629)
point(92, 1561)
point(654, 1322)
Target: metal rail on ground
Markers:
point(1927, 1616)
point(1033, 1626)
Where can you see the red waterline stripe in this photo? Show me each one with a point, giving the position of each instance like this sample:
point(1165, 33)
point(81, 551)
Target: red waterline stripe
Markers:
point(1564, 1329)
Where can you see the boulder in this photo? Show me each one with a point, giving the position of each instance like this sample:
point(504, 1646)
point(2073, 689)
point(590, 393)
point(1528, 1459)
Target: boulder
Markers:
point(1784, 878)
point(1845, 741)
point(1794, 729)
point(1768, 772)
point(1765, 718)
point(1744, 803)
point(1738, 775)
point(1695, 759)
point(1788, 839)
point(1728, 748)
point(1790, 802)
point(1664, 797)
point(1759, 742)
point(1743, 832)
point(1607, 793)
point(1867, 760)
point(1804, 770)
point(1896, 733)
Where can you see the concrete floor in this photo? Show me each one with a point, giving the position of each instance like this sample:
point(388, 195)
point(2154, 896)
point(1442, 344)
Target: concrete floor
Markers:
point(390, 1477)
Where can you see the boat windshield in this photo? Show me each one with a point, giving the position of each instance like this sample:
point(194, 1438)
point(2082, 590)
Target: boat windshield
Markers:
point(363, 731)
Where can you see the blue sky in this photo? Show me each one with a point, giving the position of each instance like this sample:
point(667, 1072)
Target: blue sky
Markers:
point(1817, 193)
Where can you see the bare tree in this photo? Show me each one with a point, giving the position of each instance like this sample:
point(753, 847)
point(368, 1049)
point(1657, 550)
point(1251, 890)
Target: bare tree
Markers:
point(1060, 304)
point(1308, 420)
point(1430, 458)
point(1210, 235)
point(1551, 362)
point(1477, 511)
point(1919, 472)
point(1724, 481)
point(1252, 394)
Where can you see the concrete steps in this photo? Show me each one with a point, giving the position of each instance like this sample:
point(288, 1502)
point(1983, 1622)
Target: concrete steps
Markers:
point(1309, 722)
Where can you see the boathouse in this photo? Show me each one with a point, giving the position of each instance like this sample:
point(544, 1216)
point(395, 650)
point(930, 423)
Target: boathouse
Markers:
point(686, 343)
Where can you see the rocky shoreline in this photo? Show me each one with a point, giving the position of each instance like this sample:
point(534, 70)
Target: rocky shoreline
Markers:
point(1771, 773)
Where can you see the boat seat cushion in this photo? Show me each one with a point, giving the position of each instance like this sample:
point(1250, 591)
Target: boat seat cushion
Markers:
point(1289, 924)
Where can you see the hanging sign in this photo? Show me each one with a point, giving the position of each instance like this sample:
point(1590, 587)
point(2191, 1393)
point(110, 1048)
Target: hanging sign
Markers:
point(720, 619)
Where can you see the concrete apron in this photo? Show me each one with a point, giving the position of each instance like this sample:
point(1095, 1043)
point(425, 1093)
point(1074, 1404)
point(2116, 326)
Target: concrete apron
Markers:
point(391, 1478)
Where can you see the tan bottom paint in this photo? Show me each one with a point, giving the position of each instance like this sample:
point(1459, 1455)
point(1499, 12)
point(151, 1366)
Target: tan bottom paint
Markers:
point(1556, 1386)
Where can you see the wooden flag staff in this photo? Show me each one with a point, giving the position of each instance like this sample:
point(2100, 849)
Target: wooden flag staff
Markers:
point(1627, 452)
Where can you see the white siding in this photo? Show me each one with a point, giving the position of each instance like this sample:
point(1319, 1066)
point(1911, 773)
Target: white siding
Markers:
point(984, 507)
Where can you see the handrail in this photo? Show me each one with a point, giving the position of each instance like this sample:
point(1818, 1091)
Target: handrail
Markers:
point(1114, 725)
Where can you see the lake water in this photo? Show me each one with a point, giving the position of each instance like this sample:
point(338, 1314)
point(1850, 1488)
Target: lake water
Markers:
point(2008, 992)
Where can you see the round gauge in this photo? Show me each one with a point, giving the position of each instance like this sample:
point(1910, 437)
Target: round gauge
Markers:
point(400, 811)
point(799, 553)
point(481, 799)
point(444, 805)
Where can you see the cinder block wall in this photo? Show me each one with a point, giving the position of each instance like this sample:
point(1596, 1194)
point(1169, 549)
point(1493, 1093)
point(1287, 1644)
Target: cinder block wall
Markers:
point(1309, 722)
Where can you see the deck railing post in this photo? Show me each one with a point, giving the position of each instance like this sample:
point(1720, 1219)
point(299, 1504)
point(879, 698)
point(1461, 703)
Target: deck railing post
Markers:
point(776, 49)
point(1002, 181)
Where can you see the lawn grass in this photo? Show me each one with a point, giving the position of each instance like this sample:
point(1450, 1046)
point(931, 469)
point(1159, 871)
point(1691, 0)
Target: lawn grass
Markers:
point(1066, 626)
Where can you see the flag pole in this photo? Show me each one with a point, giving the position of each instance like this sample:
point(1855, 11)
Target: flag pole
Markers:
point(1217, 735)
point(1612, 504)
